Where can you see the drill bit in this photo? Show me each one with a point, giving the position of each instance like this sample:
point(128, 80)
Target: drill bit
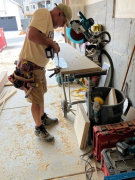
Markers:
point(59, 70)
point(58, 59)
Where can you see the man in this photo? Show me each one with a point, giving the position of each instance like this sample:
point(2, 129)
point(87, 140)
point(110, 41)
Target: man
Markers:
point(39, 36)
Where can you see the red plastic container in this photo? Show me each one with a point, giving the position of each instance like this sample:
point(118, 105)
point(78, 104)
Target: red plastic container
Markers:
point(106, 136)
point(3, 43)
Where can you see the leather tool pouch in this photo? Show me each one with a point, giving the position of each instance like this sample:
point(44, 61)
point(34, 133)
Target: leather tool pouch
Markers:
point(22, 81)
point(23, 77)
point(25, 67)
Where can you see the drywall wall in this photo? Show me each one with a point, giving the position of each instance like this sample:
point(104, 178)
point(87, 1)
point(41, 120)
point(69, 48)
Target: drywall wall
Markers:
point(121, 45)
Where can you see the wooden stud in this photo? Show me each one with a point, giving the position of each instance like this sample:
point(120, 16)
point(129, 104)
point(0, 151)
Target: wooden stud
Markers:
point(3, 79)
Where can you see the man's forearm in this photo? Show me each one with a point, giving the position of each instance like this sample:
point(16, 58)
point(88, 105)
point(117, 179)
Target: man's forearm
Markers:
point(39, 38)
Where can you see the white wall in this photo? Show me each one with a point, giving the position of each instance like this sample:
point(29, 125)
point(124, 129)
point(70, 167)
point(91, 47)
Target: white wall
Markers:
point(88, 2)
point(124, 9)
point(12, 9)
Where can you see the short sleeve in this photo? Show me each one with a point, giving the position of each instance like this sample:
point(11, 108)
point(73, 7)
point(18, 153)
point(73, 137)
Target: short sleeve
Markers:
point(39, 20)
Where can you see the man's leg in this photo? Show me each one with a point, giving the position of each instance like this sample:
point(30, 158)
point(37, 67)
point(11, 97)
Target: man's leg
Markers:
point(40, 130)
point(35, 109)
point(44, 119)
point(41, 110)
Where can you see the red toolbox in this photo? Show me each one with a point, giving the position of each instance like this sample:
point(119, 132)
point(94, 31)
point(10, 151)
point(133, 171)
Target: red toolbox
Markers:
point(106, 136)
point(112, 162)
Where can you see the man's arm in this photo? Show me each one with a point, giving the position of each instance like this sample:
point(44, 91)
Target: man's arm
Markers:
point(39, 38)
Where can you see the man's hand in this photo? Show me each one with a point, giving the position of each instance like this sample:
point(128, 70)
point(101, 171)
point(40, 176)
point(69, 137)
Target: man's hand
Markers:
point(56, 48)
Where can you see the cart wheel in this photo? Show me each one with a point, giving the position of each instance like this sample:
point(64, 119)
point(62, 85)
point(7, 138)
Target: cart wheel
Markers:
point(64, 108)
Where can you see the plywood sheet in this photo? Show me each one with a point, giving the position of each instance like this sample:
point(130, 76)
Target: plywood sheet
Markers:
point(81, 126)
point(130, 115)
point(7, 96)
point(111, 98)
point(76, 61)
point(8, 83)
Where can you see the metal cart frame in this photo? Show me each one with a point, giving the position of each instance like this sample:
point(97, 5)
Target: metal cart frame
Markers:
point(66, 106)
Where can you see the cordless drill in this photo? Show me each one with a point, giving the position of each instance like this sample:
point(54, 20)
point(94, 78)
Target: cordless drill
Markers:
point(50, 52)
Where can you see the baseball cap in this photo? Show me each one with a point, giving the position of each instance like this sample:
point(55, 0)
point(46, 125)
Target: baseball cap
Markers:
point(67, 12)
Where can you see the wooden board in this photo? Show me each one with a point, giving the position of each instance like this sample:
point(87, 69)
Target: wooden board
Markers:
point(3, 79)
point(130, 115)
point(111, 98)
point(13, 91)
point(81, 126)
point(102, 79)
point(76, 61)
point(8, 83)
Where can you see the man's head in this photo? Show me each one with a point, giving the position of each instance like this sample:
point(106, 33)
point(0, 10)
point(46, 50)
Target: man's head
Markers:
point(61, 15)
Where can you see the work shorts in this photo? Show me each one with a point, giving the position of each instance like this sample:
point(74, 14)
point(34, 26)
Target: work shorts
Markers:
point(36, 96)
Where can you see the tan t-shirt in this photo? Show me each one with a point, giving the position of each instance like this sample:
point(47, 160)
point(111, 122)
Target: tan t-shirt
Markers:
point(42, 21)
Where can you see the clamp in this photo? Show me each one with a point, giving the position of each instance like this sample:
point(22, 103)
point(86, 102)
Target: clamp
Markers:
point(56, 71)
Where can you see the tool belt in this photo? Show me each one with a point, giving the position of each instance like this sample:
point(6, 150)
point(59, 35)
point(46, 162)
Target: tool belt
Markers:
point(28, 66)
point(23, 77)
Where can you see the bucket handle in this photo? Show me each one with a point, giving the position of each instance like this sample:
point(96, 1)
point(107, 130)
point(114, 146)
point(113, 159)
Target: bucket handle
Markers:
point(112, 113)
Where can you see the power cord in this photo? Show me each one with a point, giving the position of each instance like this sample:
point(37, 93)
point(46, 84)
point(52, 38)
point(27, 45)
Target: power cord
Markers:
point(81, 96)
point(87, 170)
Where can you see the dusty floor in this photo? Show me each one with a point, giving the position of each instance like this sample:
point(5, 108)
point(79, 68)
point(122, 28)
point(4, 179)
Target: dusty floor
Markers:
point(23, 156)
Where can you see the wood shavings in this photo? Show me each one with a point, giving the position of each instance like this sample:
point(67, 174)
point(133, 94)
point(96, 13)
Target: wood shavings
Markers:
point(52, 86)
point(24, 110)
point(39, 154)
point(68, 146)
point(43, 166)
point(20, 126)
point(78, 165)
point(59, 150)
